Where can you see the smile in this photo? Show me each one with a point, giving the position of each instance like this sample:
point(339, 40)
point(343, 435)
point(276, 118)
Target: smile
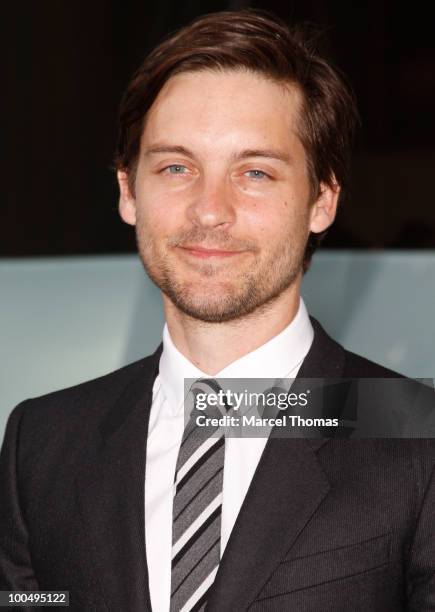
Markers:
point(207, 253)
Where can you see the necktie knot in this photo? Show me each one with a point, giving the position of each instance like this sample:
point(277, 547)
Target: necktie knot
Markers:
point(205, 398)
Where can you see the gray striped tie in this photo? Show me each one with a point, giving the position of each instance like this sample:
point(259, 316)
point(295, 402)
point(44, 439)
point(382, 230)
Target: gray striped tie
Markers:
point(196, 528)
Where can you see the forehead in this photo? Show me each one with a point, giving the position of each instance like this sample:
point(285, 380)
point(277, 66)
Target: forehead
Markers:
point(220, 107)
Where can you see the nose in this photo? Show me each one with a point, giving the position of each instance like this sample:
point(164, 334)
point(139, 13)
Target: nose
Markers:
point(212, 204)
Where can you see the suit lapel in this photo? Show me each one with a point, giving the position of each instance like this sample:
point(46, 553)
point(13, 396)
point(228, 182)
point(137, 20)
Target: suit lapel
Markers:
point(111, 494)
point(287, 487)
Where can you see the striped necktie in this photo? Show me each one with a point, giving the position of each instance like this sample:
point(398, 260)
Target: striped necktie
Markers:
point(197, 508)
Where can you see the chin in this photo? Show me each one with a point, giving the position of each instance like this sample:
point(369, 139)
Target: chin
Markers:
point(212, 310)
point(210, 315)
point(224, 307)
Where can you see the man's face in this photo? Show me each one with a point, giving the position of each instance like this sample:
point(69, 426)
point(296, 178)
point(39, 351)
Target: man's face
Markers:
point(222, 199)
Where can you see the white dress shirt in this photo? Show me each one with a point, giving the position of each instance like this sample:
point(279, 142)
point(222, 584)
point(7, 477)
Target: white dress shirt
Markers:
point(280, 357)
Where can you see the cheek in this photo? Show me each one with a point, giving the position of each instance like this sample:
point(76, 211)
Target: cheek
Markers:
point(157, 213)
point(273, 220)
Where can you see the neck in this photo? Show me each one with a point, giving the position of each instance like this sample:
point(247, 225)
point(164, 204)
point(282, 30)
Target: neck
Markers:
point(213, 346)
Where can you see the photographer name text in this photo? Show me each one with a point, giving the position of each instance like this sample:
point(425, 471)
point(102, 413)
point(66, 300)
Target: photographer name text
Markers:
point(285, 420)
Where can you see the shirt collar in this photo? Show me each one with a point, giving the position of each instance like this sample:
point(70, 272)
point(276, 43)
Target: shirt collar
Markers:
point(277, 358)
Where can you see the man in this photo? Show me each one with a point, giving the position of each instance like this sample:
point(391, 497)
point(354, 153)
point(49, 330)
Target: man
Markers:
point(234, 146)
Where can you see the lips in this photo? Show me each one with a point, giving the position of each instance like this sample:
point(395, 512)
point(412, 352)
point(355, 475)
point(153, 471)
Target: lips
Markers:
point(200, 251)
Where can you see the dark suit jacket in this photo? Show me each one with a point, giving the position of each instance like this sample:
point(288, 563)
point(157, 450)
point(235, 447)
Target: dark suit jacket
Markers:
point(327, 524)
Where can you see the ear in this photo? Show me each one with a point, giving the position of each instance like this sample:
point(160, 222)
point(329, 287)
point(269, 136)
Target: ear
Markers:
point(127, 203)
point(324, 209)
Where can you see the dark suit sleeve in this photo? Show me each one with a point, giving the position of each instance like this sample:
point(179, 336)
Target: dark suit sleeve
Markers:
point(16, 572)
point(421, 573)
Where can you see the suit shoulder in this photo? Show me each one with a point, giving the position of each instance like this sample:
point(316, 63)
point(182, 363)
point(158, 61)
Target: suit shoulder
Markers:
point(357, 366)
point(328, 358)
point(87, 398)
point(107, 382)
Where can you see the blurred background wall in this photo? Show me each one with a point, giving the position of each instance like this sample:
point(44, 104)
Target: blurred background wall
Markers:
point(64, 320)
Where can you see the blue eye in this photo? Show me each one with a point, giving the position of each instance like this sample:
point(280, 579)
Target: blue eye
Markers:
point(257, 174)
point(175, 169)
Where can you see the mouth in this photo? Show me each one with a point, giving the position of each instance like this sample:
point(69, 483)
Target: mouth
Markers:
point(202, 253)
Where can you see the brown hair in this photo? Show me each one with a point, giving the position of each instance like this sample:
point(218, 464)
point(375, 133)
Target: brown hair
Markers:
point(255, 40)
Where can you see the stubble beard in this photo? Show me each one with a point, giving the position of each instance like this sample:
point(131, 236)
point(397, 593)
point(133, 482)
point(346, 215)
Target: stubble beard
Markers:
point(232, 298)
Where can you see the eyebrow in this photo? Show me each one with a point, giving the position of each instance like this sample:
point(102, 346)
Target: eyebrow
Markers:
point(267, 153)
